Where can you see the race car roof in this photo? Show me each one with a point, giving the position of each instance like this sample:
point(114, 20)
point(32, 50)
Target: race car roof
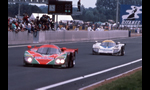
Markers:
point(49, 45)
point(109, 41)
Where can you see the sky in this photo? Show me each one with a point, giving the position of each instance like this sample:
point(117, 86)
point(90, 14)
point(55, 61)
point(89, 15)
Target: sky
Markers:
point(86, 3)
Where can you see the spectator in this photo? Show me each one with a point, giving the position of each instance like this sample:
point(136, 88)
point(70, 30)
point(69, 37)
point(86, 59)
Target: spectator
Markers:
point(47, 25)
point(9, 27)
point(19, 27)
point(58, 28)
point(25, 18)
point(28, 27)
point(93, 27)
point(13, 26)
point(98, 29)
point(52, 25)
point(23, 26)
point(101, 28)
point(32, 27)
point(79, 4)
point(138, 30)
point(63, 28)
point(89, 28)
point(39, 26)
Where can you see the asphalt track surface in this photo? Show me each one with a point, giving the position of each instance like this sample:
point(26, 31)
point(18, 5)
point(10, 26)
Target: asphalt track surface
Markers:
point(32, 78)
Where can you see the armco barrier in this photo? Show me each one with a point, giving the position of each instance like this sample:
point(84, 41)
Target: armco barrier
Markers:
point(61, 36)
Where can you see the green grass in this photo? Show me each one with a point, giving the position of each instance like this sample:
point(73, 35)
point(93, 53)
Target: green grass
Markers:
point(132, 82)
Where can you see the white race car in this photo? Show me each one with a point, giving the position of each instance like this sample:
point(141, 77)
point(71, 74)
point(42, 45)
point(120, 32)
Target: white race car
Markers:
point(108, 47)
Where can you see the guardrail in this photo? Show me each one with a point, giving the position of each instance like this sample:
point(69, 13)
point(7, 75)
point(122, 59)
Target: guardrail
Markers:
point(62, 36)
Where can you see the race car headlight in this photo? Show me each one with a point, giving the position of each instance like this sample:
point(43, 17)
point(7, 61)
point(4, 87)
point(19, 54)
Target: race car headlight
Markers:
point(60, 61)
point(29, 59)
point(57, 61)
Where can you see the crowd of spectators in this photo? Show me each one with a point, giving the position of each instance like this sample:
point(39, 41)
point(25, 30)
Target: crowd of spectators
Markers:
point(43, 23)
point(46, 23)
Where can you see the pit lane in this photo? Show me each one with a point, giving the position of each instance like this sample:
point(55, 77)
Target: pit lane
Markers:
point(30, 78)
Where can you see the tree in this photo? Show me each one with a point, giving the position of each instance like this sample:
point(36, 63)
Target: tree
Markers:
point(24, 8)
point(107, 8)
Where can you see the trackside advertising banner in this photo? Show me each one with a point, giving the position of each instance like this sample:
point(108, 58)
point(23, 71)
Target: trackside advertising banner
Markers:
point(131, 15)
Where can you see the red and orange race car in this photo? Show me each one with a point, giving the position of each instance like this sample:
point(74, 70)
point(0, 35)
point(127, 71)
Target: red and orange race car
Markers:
point(50, 54)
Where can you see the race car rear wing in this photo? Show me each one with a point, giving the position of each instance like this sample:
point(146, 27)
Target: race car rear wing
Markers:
point(69, 50)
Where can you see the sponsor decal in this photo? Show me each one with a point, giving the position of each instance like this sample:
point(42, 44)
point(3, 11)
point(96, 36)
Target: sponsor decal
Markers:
point(131, 15)
point(44, 58)
point(28, 55)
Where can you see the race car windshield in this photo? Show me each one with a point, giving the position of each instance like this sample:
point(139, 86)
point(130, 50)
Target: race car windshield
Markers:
point(108, 44)
point(48, 51)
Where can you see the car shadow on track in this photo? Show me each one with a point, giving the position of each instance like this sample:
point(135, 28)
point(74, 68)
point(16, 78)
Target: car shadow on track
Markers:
point(101, 54)
point(44, 66)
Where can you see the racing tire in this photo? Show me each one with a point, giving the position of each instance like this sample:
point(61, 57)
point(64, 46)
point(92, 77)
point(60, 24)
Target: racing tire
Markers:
point(28, 65)
point(122, 51)
point(94, 53)
point(70, 65)
point(71, 61)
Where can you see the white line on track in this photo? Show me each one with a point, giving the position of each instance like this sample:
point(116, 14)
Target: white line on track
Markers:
point(108, 79)
point(86, 76)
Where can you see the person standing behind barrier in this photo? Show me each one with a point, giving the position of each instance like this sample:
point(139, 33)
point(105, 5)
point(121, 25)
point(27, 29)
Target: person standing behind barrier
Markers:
point(93, 27)
point(32, 27)
point(13, 26)
point(52, 25)
point(79, 4)
point(89, 28)
point(37, 22)
point(39, 26)
point(28, 27)
point(109, 26)
point(101, 28)
point(25, 18)
point(23, 26)
point(138, 30)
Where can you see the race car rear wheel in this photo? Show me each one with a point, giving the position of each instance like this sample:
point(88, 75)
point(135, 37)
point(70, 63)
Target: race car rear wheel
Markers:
point(70, 65)
point(70, 61)
point(122, 51)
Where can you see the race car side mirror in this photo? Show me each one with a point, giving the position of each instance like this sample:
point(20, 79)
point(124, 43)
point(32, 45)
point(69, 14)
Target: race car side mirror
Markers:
point(96, 41)
point(63, 49)
point(118, 43)
point(29, 47)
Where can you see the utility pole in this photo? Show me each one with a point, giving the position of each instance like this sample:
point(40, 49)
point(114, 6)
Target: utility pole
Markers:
point(18, 9)
point(117, 13)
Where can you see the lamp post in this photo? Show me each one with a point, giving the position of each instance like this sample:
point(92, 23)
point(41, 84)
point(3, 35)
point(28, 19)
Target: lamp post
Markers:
point(117, 13)
point(18, 9)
